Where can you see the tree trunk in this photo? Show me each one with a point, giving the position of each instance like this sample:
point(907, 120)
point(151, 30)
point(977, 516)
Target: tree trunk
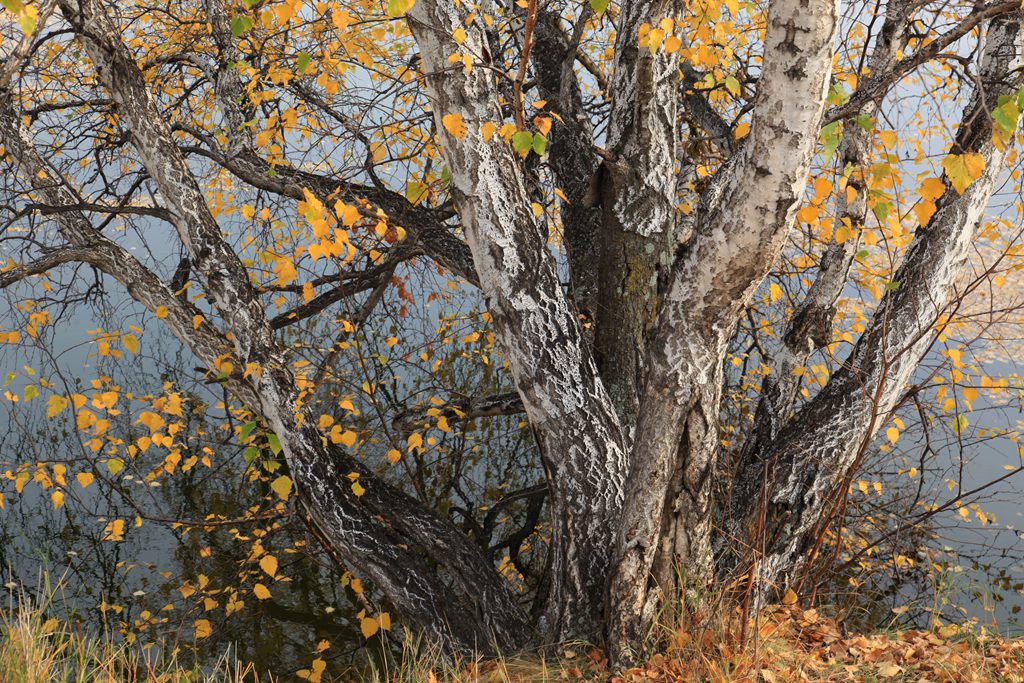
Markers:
point(637, 191)
point(806, 466)
point(574, 421)
point(740, 231)
point(810, 327)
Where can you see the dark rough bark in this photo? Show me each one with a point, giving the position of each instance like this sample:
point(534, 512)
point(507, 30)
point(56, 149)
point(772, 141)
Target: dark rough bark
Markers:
point(573, 159)
point(637, 187)
point(571, 414)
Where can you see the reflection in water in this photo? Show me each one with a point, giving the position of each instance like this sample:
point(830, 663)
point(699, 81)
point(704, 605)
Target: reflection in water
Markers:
point(190, 560)
point(198, 517)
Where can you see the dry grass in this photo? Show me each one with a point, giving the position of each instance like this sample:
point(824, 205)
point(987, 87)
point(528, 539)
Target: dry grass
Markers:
point(37, 648)
point(786, 644)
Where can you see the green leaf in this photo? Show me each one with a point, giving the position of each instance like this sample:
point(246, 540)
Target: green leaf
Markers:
point(249, 4)
point(522, 142)
point(31, 392)
point(830, 138)
point(959, 424)
point(115, 465)
point(862, 254)
point(246, 430)
point(274, 443)
point(864, 121)
point(14, 6)
point(732, 84)
point(599, 6)
point(540, 144)
point(398, 8)
point(881, 210)
point(302, 63)
point(250, 455)
point(837, 95)
point(240, 26)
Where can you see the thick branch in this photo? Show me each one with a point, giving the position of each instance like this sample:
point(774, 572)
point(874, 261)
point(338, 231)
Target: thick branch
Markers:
point(817, 450)
point(575, 424)
point(739, 234)
point(810, 328)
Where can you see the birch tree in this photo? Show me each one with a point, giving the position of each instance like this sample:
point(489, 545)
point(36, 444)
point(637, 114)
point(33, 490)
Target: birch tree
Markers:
point(617, 183)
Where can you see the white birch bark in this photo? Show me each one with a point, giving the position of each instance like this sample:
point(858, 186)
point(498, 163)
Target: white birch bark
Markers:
point(810, 459)
point(735, 243)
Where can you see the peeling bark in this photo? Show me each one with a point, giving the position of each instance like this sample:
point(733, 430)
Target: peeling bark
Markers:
point(637, 189)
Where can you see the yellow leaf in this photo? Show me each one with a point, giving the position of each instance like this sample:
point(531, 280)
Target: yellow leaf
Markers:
point(151, 420)
point(161, 312)
point(114, 531)
point(776, 291)
point(924, 210)
point(358, 489)
point(269, 565)
point(932, 188)
point(84, 479)
point(889, 669)
point(459, 35)
point(487, 131)
point(454, 124)
point(369, 626)
point(282, 486)
point(131, 342)
point(415, 441)
point(789, 598)
point(55, 405)
point(58, 498)
point(893, 434)
point(963, 169)
point(261, 591)
point(203, 628)
point(394, 455)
